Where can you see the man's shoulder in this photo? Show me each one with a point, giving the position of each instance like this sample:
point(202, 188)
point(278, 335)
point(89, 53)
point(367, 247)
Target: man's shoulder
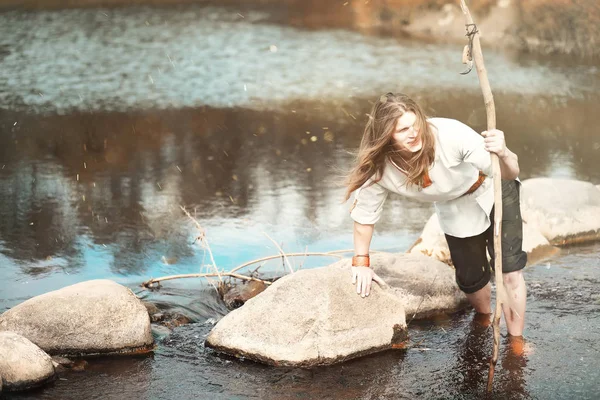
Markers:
point(450, 129)
point(445, 122)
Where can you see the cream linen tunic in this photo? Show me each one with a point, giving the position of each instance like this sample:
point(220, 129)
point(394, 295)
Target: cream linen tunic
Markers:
point(459, 156)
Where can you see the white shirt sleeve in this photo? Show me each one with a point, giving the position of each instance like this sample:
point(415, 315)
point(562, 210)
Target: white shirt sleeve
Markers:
point(368, 203)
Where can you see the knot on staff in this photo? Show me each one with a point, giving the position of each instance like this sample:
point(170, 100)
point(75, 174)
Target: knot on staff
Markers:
point(468, 50)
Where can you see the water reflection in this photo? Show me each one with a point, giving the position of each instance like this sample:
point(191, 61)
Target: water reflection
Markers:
point(119, 179)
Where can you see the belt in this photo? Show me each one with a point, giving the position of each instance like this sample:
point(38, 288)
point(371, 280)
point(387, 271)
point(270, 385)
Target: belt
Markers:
point(477, 183)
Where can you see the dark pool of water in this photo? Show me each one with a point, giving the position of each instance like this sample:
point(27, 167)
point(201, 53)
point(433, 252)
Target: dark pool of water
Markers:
point(94, 171)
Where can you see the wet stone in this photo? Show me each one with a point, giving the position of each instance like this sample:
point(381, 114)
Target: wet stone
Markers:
point(157, 317)
point(236, 296)
point(62, 361)
point(23, 365)
point(92, 317)
point(79, 365)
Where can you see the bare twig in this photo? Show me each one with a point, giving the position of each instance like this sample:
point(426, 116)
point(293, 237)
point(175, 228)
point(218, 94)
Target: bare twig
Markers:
point(282, 253)
point(328, 254)
point(202, 238)
point(233, 273)
point(304, 259)
point(491, 124)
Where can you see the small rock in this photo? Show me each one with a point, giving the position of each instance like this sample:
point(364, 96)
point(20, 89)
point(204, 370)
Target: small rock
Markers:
point(176, 320)
point(79, 365)
point(157, 317)
point(63, 361)
point(237, 295)
point(23, 365)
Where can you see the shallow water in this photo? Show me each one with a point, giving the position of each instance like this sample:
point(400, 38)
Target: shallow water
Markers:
point(94, 170)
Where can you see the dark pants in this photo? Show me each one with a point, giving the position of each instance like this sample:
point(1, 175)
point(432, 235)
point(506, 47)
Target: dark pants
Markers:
point(469, 256)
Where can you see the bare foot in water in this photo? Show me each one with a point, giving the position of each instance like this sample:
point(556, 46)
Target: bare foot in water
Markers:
point(518, 346)
point(482, 320)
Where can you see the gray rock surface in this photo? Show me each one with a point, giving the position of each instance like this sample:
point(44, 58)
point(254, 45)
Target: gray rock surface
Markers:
point(311, 317)
point(425, 285)
point(564, 211)
point(93, 317)
point(23, 365)
point(315, 317)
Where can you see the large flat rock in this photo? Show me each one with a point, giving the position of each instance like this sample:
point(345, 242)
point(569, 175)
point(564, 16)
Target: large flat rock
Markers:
point(564, 211)
point(315, 317)
point(93, 317)
point(23, 365)
point(311, 317)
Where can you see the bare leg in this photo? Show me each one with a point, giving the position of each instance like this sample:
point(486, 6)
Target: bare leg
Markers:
point(514, 310)
point(480, 300)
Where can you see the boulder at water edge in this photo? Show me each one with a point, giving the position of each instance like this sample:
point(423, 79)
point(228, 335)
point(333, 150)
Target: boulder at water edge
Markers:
point(314, 317)
point(554, 212)
point(564, 211)
point(93, 317)
point(23, 365)
point(432, 242)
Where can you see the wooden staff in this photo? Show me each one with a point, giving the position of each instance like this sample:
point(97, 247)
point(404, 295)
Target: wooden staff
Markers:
point(477, 55)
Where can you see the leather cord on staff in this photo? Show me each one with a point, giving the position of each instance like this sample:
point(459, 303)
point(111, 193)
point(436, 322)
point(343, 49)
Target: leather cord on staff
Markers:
point(468, 51)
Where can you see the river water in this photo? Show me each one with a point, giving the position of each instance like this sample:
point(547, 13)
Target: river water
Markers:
point(111, 119)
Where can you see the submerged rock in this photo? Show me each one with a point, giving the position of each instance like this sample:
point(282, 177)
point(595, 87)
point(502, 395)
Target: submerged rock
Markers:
point(236, 296)
point(93, 317)
point(564, 211)
point(314, 317)
point(23, 365)
point(311, 317)
point(151, 307)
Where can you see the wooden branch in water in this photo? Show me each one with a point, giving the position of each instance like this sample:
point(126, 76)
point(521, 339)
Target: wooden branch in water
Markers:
point(328, 254)
point(150, 282)
point(491, 124)
point(233, 273)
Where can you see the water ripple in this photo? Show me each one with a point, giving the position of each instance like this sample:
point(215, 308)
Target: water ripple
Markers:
point(132, 58)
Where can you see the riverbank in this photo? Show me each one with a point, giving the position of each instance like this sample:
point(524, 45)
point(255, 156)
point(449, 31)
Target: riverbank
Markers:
point(537, 26)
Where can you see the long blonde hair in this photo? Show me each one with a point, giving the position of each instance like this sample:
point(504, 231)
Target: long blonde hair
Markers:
point(377, 144)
